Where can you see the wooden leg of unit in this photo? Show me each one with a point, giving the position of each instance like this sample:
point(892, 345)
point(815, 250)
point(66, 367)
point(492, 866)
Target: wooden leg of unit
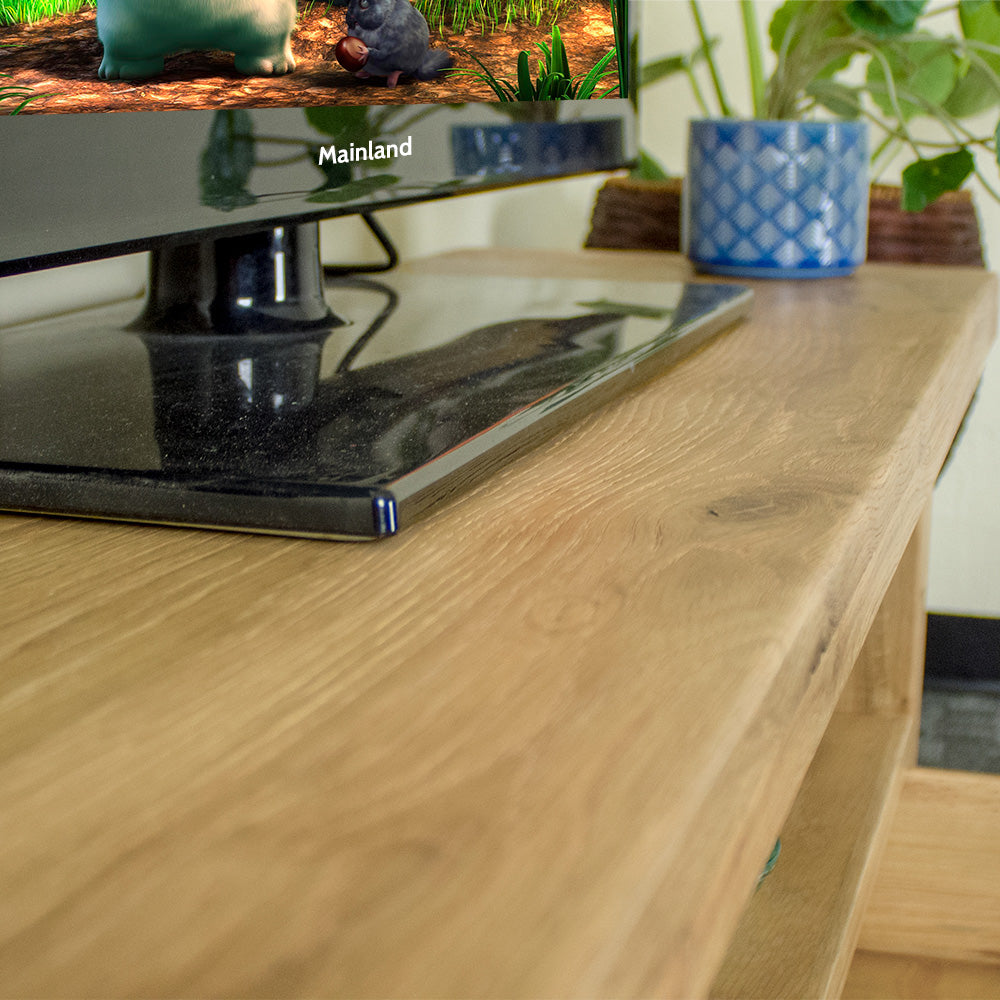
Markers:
point(888, 676)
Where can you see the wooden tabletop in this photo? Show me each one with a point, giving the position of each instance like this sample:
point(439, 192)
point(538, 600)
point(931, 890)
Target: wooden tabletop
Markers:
point(539, 744)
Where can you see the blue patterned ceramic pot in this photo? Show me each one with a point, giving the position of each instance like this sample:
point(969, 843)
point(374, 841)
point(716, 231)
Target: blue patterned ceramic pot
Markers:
point(776, 199)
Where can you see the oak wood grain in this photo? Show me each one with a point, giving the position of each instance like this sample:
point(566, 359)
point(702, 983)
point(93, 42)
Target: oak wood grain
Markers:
point(797, 935)
point(878, 976)
point(937, 892)
point(888, 676)
point(536, 745)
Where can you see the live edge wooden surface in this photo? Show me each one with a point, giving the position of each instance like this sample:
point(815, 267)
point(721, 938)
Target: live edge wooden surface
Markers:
point(539, 744)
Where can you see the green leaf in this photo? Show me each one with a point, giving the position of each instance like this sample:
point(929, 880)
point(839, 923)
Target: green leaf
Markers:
point(974, 93)
point(660, 69)
point(335, 174)
point(649, 169)
point(926, 180)
point(559, 57)
point(353, 190)
point(554, 82)
point(884, 18)
point(344, 123)
point(525, 88)
point(623, 49)
point(813, 42)
point(14, 92)
point(588, 83)
point(981, 23)
point(977, 91)
point(924, 72)
point(811, 24)
point(838, 98)
point(636, 309)
point(228, 160)
point(781, 21)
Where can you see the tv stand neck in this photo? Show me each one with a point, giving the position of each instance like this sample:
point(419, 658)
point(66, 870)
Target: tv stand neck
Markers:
point(266, 281)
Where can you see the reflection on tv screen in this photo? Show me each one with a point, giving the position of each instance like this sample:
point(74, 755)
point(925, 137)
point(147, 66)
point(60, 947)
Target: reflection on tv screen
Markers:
point(64, 56)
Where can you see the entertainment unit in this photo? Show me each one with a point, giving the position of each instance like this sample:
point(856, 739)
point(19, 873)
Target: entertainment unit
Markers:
point(543, 743)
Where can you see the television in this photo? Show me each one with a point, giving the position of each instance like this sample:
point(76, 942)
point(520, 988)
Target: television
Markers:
point(256, 388)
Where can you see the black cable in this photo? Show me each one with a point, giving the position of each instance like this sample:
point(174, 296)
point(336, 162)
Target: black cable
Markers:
point(384, 240)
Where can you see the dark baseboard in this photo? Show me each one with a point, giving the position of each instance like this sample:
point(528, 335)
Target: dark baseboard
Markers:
point(963, 651)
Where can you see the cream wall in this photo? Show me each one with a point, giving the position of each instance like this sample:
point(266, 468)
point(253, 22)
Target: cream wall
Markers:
point(965, 550)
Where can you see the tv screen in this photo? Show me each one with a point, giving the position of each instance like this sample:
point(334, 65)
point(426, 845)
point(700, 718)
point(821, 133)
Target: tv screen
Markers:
point(114, 138)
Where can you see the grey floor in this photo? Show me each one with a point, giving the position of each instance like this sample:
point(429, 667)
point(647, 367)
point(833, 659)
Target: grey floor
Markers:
point(960, 730)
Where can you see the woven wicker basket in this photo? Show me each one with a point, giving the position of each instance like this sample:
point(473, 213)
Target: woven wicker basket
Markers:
point(646, 215)
point(637, 215)
point(946, 232)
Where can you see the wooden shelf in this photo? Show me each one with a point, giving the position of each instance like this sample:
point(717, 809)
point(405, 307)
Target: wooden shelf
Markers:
point(541, 743)
point(880, 976)
point(932, 928)
point(938, 889)
point(797, 935)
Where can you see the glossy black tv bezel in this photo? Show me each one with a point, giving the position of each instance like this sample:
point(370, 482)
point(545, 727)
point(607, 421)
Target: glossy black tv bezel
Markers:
point(87, 186)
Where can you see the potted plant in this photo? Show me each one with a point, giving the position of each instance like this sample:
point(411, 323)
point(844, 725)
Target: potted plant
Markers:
point(893, 65)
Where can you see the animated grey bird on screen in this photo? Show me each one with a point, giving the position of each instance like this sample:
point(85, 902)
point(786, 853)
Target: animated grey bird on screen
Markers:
point(396, 39)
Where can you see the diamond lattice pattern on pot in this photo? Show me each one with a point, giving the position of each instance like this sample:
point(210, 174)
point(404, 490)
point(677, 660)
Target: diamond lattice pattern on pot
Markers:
point(786, 195)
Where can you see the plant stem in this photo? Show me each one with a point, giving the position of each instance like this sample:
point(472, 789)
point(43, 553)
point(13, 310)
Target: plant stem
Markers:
point(989, 188)
point(696, 90)
point(903, 131)
point(755, 60)
point(720, 94)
